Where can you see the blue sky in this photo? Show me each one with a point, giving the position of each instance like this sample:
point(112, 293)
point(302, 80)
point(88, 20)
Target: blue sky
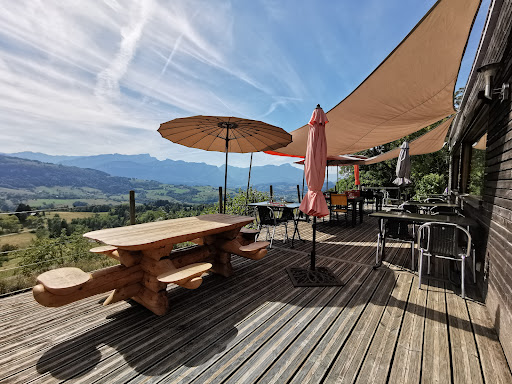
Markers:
point(94, 77)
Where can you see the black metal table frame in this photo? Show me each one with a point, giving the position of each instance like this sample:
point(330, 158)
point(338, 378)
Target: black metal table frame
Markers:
point(413, 218)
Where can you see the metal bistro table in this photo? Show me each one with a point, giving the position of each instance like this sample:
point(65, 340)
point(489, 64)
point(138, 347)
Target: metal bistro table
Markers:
point(416, 218)
point(282, 206)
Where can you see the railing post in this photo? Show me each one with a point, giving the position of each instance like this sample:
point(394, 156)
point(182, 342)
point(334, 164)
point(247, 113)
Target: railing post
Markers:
point(132, 207)
point(220, 200)
point(271, 193)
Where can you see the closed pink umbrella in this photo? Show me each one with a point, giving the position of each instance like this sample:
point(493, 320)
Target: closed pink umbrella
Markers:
point(314, 203)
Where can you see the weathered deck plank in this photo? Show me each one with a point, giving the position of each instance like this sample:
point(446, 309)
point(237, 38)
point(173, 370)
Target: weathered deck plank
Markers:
point(406, 366)
point(256, 327)
point(436, 351)
point(380, 354)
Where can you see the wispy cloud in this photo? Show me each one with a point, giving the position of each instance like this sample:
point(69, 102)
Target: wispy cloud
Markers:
point(107, 86)
point(100, 76)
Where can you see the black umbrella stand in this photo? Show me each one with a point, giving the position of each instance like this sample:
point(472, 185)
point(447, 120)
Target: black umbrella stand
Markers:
point(314, 276)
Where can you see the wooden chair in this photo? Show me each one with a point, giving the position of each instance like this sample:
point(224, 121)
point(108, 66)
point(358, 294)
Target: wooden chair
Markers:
point(339, 204)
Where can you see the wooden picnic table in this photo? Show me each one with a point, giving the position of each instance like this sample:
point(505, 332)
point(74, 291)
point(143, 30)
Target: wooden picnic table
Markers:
point(147, 264)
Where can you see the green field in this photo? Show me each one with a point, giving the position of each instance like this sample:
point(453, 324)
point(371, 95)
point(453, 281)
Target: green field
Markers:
point(20, 240)
point(68, 216)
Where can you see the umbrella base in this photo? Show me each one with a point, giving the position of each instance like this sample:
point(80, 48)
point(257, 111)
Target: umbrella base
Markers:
point(320, 277)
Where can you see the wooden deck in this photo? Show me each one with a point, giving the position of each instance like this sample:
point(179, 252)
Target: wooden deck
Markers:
point(256, 327)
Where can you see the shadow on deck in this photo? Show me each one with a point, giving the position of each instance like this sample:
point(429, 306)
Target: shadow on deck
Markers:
point(256, 327)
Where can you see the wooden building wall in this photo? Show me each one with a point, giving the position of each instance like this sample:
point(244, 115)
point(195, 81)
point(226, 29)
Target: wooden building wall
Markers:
point(494, 210)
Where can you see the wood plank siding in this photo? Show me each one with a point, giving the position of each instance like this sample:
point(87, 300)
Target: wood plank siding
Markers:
point(493, 210)
point(255, 327)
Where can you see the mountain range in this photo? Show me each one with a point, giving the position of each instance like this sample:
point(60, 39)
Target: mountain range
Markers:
point(178, 172)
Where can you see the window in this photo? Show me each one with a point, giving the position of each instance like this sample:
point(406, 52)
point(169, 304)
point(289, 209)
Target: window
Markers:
point(477, 169)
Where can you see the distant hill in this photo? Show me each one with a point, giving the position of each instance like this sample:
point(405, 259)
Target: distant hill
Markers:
point(42, 183)
point(174, 172)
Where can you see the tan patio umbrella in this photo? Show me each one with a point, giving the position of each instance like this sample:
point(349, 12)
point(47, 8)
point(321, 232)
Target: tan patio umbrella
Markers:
point(224, 134)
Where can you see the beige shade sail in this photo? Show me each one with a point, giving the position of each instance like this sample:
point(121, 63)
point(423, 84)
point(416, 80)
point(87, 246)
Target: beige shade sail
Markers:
point(481, 144)
point(340, 160)
point(210, 133)
point(411, 89)
point(431, 141)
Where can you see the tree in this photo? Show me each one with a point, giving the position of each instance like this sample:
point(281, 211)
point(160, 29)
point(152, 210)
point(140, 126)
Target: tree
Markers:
point(22, 208)
point(382, 174)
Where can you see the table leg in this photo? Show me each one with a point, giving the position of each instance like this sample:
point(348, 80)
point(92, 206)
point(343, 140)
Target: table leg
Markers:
point(221, 259)
point(361, 211)
point(295, 230)
point(153, 294)
point(354, 212)
point(222, 263)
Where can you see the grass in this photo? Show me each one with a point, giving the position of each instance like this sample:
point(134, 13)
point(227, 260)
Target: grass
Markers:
point(68, 216)
point(69, 202)
point(20, 240)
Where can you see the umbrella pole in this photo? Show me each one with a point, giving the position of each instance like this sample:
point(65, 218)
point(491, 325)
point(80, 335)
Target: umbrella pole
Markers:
point(248, 183)
point(313, 250)
point(327, 169)
point(303, 176)
point(226, 170)
point(337, 177)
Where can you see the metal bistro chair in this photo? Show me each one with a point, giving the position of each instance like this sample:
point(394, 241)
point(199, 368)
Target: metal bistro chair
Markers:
point(411, 208)
point(434, 200)
point(397, 231)
point(268, 218)
point(444, 211)
point(339, 204)
point(369, 198)
point(445, 241)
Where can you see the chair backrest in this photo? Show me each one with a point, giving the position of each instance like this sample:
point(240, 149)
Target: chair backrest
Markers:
point(266, 215)
point(409, 208)
point(397, 229)
point(367, 194)
point(339, 199)
point(443, 239)
point(434, 200)
point(443, 211)
point(287, 214)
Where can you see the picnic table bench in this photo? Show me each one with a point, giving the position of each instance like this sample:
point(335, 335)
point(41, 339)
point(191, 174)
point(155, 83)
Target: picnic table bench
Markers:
point(148, 262)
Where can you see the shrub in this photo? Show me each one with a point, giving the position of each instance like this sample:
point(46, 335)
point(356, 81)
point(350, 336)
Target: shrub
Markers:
point(431, 183)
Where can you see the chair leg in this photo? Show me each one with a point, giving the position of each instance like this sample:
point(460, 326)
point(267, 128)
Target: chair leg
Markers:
point(285, 232)
point(420, 267)
point(412, 255)
point(377, 253)
point(462, 268)
point(428, 264)
point(474, 266)
point(272, 238)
